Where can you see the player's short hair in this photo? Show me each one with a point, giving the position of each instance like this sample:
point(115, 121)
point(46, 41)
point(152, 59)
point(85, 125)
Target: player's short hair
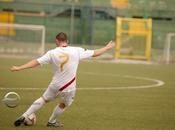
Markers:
point(61, 37)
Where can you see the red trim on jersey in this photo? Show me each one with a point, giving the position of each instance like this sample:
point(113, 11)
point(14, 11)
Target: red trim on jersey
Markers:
point(67, 85)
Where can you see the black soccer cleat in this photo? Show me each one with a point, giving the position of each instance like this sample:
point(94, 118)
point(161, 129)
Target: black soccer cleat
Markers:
point(56, 124)
point(19, 121)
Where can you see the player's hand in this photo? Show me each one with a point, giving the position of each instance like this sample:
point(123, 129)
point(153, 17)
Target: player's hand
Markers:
point(110, 45)
point(14, 68)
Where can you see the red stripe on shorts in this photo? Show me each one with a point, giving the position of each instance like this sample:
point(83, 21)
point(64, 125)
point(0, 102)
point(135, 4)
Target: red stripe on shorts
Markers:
point(67, 85)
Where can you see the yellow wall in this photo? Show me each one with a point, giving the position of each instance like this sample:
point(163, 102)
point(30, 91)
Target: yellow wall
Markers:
point(119, 3)
point(6, 17)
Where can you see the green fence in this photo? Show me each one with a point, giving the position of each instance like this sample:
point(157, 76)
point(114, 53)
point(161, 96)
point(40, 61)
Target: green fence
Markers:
point(103, 30)
point(94, 21)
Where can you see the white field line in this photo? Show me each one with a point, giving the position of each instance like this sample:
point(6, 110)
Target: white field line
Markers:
point(157, 83)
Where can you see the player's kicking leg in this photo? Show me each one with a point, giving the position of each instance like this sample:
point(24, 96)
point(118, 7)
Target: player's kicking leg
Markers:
point(47, 96)
point(33, 108)
point(66, 100)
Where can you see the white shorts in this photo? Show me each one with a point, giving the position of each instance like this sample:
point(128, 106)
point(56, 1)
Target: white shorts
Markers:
point(66, 97)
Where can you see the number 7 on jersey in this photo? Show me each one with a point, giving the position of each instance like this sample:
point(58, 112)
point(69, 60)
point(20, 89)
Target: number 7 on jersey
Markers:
point(65, 59)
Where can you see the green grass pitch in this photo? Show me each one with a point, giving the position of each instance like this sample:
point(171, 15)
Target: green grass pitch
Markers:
point(120, 109)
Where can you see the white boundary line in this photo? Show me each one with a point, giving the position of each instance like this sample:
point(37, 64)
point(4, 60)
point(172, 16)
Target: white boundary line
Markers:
point(157, 83)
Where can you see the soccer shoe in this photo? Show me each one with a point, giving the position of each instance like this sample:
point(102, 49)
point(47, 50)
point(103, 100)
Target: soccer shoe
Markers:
point(19, 121)
point(56, 124)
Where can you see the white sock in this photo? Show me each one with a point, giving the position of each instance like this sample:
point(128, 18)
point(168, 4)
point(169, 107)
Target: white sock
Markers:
point(35, 106)
point(56, 113)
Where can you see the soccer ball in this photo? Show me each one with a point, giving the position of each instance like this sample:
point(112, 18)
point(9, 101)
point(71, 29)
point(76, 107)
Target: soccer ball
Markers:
point(11, 99)
point(30, 120)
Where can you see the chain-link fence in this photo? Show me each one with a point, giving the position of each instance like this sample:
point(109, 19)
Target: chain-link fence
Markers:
point(93, 22)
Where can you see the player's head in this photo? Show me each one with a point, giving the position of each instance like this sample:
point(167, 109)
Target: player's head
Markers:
point(61, 39)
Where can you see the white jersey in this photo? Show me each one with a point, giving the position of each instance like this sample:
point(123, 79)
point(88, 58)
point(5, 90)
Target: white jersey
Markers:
point(65, 62)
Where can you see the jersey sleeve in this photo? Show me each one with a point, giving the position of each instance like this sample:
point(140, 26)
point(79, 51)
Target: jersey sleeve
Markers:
point(45, 59)
point(84, 54)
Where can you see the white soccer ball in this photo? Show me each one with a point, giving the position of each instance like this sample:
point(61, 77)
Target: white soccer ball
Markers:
point(11, 99)
point(30, 120)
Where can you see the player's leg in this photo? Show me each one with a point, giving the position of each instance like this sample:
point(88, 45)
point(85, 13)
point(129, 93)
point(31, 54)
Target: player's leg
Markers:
point(58, 110)
point(66, 100)
point(37, 104)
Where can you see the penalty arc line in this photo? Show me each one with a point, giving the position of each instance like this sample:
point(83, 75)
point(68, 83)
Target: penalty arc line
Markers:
point(158, 83)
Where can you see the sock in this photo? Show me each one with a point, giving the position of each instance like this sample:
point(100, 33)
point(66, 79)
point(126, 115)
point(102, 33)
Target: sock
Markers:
point(56, 113)
point(35, 106)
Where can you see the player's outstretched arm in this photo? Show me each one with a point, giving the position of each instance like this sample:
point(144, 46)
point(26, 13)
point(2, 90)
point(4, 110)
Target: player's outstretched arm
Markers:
point(100, 51)
point(30, 64)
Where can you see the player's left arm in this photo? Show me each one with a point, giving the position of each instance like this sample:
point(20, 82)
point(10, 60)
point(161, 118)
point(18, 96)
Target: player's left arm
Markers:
point(45, 59)
point(30, 64)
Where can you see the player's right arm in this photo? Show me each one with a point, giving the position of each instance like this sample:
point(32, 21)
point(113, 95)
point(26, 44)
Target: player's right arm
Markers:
point(84, 54)
point(102, 50)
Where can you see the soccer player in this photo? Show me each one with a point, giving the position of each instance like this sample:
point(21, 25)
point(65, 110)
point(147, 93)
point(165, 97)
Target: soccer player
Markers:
point(65, 60)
